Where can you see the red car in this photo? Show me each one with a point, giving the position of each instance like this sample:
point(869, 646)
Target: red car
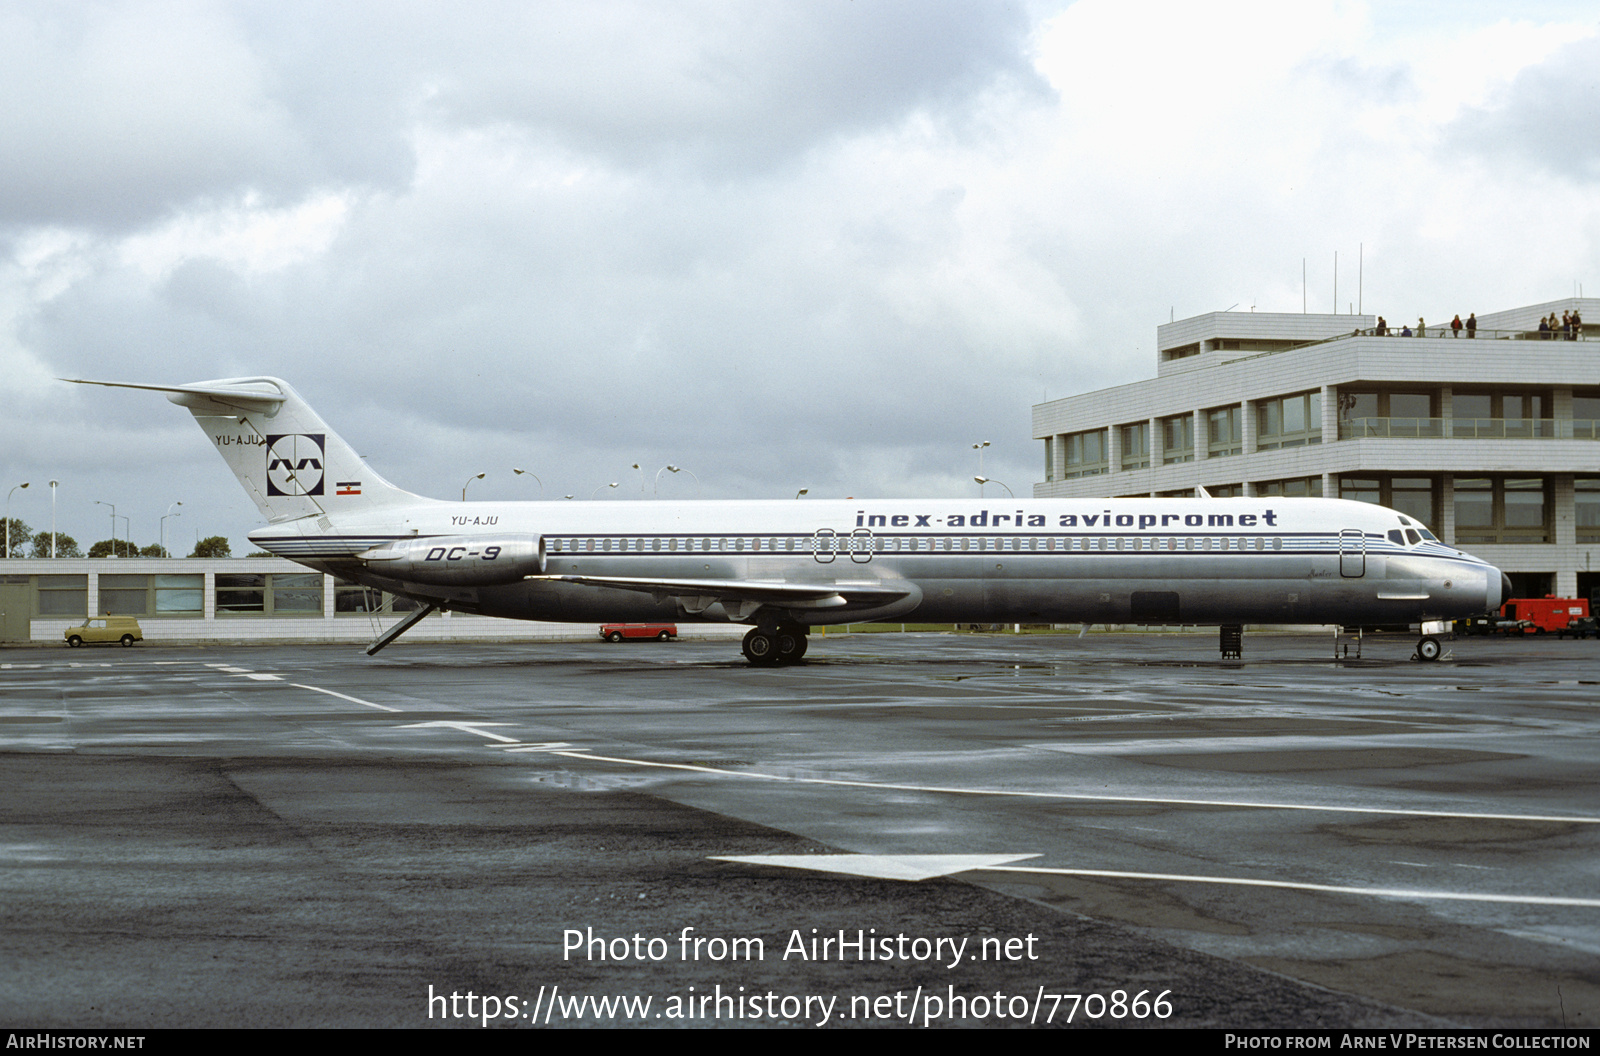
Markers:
point(616, 632)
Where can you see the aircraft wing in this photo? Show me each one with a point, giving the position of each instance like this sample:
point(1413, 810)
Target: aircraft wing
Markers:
point(747, 595)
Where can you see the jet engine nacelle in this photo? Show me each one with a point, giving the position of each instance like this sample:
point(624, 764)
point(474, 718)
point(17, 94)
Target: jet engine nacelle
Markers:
point(459, 560)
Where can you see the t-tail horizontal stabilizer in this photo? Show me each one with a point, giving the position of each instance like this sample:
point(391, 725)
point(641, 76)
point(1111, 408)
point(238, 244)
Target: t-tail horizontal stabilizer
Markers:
point(283, 453)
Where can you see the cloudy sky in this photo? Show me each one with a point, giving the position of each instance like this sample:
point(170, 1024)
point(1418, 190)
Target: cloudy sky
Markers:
point(827, 244)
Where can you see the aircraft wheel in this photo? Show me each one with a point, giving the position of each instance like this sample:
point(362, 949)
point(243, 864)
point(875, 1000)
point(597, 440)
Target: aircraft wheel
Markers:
point(1429, 649)
point(761, 647)
point(791, 641)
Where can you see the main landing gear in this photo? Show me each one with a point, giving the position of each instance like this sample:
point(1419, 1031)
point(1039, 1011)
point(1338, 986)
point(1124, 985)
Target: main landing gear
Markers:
point(771, 646)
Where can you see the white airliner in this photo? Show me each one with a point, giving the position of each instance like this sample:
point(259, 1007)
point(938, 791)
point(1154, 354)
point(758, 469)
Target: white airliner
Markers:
point(784, 567)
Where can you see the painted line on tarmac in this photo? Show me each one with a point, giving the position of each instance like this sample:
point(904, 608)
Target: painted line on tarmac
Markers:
point(345, 696)
point(1088, 798)
point(1336, 889)
point(468, 727)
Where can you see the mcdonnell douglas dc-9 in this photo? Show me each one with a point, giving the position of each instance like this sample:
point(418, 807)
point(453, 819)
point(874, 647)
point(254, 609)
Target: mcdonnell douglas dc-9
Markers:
point(785, 567)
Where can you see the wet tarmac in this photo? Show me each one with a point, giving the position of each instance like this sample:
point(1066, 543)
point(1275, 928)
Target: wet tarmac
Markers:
point(307, 836)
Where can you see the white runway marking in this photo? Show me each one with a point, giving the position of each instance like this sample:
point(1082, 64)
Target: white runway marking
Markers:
point(344, 696)
point(1089, 798)
point(467, 727)
point(1371, 892)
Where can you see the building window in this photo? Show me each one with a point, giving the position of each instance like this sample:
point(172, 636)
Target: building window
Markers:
point(354, 599)
point(241, 592)
point(125, 595)
point(1298, 487)
point(1586, 508)
point(1226, 437)
point(1416, 497)
point(63, 595)
point(1225, 491)
point(1136, 445)
point(1085, 454)
point(1501, 415)
point(161, 595)
point(1502, 510)
point(1177, 439)
point(1290, 421)
point(1585, 416)
point(1386, 413)
point(269, 593)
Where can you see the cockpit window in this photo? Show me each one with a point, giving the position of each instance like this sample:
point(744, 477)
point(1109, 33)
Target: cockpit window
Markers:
point(1429, 536)
point(1413, 536)
point(1397, 537)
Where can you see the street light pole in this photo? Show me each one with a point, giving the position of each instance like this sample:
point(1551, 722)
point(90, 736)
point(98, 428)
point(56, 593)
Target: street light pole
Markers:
point(979, 448)
point(677, 469)
point(986, 480)
point(113, 506)
point(164, 528)
point(8, 517)
point(53, 484)
point(480, 476)
point(596, 491)
point(525, 473)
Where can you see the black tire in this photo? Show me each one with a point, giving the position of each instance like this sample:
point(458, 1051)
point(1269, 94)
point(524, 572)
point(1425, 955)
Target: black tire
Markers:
point(127, 640)
point(74, 641)
point(664, 636)
point(1429, 649)
point(761, 648)
point(614, 636)
point(791, 643)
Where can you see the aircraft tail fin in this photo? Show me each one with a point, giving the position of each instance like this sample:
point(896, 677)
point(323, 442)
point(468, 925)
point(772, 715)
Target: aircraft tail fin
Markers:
point(281, 450)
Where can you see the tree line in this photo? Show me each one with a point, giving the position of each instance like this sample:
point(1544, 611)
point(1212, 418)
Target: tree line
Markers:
point(25, 542)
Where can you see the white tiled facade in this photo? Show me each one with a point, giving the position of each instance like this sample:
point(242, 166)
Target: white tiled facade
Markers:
point(259, 599)
point(1494, 441)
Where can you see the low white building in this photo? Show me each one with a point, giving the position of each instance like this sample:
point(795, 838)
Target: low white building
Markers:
point(250, 599)
point(1492, 439)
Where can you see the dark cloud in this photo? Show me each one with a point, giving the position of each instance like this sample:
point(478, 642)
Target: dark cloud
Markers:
point(735, 87)
point(121, 114)
point(1548, 116)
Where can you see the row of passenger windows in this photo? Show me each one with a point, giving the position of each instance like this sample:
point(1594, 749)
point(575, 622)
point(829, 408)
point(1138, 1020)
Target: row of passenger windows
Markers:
point(884, 544)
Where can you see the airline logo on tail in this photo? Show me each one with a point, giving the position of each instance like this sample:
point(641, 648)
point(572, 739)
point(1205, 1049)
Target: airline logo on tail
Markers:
point(294, 463)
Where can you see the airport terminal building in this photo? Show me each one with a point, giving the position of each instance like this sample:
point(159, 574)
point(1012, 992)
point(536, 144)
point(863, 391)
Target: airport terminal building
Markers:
point(246, 599)
point(1491, 438)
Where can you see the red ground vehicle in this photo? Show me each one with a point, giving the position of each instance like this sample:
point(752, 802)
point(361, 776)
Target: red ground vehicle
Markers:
point(616, 632)
point(1539, 615)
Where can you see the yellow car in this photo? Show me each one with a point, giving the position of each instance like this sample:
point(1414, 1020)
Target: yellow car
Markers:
point(104, 629)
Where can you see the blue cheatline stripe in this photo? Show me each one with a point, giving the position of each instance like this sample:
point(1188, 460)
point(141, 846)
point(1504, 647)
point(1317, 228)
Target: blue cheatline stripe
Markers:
point(1296, 545)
